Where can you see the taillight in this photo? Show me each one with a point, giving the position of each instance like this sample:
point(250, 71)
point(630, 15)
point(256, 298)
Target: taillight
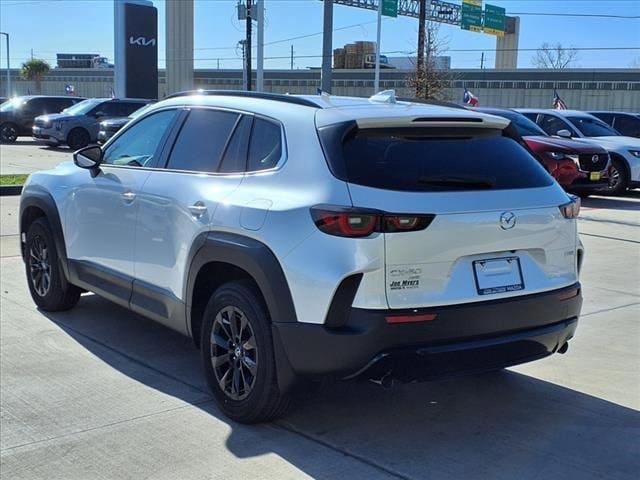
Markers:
point(356, 223)
point(572, 209)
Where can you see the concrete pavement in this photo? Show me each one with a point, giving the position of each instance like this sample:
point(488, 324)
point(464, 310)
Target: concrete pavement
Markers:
point(99, 392)
point(28, 156)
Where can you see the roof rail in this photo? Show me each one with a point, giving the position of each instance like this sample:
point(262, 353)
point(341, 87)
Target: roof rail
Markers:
point(426, 101)
point(277, 97)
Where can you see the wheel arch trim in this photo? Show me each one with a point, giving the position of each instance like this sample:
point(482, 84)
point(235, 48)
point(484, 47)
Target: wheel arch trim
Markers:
point(38, 197)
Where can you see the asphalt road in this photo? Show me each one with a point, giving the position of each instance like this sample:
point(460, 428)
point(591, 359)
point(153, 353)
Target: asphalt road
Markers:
point(101, 393)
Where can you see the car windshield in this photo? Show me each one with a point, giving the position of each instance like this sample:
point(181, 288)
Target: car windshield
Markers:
point(592, 127)
point(83, 107)
point(524, 126)
point(12, 104)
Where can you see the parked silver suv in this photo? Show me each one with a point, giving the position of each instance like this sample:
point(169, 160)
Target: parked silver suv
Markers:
point(78, 126)
point(299, 236)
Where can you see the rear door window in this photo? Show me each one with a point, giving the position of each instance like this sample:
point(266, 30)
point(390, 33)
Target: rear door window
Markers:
point(434, 160)
point(202, 140)
point(628, 125)
point(235, 155)
point(265, 147)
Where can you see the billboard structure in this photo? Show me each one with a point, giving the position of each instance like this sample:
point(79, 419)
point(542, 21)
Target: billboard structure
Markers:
point(136, 49)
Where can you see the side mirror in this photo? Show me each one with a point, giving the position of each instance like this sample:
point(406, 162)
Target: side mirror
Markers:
point(564, 133)
point(88, 157)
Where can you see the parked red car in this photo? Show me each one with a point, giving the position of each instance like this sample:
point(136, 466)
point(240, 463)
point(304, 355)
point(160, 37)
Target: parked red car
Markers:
point(579, 167)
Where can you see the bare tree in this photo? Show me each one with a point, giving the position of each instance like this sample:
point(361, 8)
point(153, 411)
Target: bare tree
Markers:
point(431, 78)
point(554, 56)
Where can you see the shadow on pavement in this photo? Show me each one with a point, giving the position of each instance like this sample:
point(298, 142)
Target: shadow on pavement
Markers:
point(500, 426)
point(613, 203)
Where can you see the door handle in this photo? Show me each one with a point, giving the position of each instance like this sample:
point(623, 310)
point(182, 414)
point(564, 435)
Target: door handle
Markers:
point(198, 209)
point(128, 197)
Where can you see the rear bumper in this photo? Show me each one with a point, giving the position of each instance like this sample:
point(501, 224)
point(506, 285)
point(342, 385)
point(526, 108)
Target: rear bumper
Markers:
point(463, 338)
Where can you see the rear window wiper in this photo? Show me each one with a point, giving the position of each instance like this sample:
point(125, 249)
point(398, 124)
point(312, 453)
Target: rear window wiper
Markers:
point(458, 182)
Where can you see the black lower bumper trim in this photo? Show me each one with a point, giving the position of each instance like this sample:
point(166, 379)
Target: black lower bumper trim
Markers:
point(468, 337)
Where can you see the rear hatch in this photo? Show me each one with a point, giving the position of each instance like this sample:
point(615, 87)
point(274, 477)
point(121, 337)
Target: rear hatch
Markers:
point(497, 229)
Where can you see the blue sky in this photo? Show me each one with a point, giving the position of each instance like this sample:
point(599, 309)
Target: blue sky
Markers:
point(86, 26)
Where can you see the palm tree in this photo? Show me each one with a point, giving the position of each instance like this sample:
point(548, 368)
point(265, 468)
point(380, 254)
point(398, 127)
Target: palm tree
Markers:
point(35, 69)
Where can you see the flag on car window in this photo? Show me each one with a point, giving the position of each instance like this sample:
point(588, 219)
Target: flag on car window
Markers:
point(70, 89)
point(469, 98)
point(558, 103)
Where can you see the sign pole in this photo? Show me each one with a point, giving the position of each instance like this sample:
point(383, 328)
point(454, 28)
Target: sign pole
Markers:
point(260, 53)
point(376, 82)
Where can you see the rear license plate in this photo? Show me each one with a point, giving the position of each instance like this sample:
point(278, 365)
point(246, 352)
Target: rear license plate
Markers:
point(498, 275)
point(594, 176)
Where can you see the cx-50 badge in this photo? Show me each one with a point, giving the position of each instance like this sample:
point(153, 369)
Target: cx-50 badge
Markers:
point(507, 220)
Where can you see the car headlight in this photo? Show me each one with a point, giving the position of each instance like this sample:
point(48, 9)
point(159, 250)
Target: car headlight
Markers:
point(556, 155)
point(635, 153)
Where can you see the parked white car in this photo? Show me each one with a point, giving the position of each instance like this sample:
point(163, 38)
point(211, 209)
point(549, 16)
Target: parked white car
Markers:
point(624, 151)
point(298, 236)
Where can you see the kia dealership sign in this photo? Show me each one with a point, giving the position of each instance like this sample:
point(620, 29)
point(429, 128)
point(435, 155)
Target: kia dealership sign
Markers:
point(136, 49)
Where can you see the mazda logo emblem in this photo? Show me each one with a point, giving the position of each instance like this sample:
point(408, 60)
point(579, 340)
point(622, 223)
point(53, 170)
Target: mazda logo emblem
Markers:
point(507, 220)
point(594, 159)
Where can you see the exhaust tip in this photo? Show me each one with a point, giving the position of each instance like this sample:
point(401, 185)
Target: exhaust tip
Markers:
point(564, 347)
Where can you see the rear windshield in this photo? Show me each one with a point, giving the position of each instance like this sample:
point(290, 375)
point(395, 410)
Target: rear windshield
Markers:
point(433, 160)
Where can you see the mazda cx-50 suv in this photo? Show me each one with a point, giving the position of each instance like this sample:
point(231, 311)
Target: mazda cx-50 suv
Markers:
point(303, 236)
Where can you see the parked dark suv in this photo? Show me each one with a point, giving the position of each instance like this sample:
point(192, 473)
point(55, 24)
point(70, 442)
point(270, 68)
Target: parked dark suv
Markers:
point(628, 124)
point(77, 127)
point(17, 115)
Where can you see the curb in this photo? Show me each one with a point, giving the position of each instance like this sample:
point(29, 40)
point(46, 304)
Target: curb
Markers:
point(7, 190)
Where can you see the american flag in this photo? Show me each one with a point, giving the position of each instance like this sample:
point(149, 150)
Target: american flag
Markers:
point(558, 103)
point(70, 89)
point(469, 98)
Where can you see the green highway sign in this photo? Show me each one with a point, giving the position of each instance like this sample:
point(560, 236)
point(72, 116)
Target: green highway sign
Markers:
point(471, 15)
point(494, 20)
point(389, 8)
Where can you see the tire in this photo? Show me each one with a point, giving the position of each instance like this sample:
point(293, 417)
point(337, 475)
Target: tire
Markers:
point(253, 398)
point(49, 289)
point(618, 178)
point(78, 138)
point(8, 132)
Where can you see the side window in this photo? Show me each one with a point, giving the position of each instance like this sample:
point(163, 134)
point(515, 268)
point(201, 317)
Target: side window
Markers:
point(628, 126)
point(35, 107)
point(606, 118)
point(202, 140)
point(235, 156)
point(265, 147)
point(62, 103)
point(107, 109)
point(530, 116)
point(138, 145)
point(127, 108)
point(552, 125)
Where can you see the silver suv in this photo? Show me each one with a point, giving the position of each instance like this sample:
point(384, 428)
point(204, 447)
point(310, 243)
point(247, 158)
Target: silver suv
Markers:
point(301, 236)
point(78, 125)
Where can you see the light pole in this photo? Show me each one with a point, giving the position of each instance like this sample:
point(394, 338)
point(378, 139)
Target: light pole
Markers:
point(8, 71)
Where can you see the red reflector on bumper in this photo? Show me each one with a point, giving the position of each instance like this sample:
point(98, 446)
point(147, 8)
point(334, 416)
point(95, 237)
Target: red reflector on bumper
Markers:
point(411, 318)
point(566, 295)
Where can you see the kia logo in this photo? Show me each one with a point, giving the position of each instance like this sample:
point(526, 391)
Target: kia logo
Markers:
point(507, 220)
point(142, 41)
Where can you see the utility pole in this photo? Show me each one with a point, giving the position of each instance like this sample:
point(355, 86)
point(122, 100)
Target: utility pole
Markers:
point(8, 67)
point(260, 53)
point(32, 54)
point(291, 56)
point(247, 44)
point(327, 46)
point(482, 61)
point(376, 81)
point(422, 20)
